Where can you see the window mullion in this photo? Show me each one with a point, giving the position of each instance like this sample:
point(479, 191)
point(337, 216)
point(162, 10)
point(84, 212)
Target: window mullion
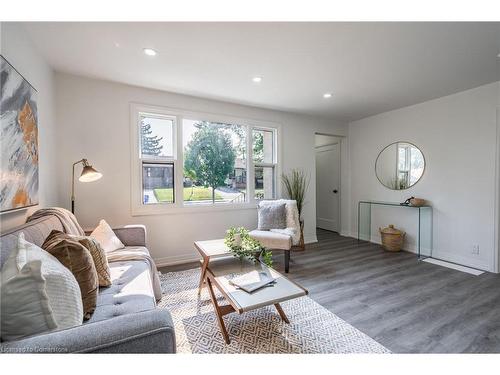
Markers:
point(179, 163)
point(140, 193)
point(270, 165)
point(250, 166)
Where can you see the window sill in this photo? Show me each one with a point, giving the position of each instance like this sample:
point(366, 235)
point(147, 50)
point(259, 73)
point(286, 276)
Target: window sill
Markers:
point(160, 209)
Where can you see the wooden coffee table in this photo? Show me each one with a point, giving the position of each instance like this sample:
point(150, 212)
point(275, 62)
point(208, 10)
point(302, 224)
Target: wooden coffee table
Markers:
point(218, 269)
point(209, 249)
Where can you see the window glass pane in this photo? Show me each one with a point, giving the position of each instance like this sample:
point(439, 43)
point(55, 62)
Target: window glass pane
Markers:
point(402, 158)
point(264, 183)
point(157, 183)
point(263, 146)
point(157, 139)
point(416, 165)
point(214, 162)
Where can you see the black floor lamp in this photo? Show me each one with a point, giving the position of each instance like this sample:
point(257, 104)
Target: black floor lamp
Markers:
point(88, 174)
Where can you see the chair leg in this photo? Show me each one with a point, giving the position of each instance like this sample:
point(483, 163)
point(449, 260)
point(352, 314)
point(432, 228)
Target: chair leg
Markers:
point(287, 260)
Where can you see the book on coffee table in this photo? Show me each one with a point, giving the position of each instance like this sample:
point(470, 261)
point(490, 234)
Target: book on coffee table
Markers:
point(252, 281)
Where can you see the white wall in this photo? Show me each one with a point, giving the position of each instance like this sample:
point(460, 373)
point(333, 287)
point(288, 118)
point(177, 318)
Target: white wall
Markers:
point(17, 48)
point(94, 118)
point(458, 137)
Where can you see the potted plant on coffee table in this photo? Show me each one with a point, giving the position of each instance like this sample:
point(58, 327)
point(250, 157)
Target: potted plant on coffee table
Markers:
point(242, 246)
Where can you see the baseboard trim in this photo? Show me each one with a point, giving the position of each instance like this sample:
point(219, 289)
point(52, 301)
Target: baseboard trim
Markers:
point(348, 234)
point(454, 266)
point(310, 239)
point(326, 224)
point(176, 259)
point(460, 260)
point(436, 254)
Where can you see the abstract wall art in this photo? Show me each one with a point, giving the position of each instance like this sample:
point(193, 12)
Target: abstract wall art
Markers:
point(18, 140)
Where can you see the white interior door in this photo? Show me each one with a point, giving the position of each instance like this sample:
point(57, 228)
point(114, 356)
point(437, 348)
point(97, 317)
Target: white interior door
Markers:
point(328, 187)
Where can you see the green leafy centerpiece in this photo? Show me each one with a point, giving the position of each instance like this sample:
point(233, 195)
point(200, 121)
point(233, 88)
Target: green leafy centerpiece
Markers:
point(242, 246)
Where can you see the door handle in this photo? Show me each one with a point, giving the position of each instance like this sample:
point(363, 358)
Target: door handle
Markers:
point(335, 191)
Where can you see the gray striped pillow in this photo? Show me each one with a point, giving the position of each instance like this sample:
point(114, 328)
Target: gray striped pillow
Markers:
point(99, 257)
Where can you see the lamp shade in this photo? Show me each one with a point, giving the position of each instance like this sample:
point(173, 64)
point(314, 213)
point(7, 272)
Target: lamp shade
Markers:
point(89, 174)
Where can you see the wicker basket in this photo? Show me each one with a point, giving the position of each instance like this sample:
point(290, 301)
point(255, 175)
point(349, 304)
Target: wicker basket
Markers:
point(392, 238)
point(417, 202)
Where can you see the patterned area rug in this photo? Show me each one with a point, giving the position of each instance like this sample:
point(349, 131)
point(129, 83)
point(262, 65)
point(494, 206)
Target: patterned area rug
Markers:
point(312, 328)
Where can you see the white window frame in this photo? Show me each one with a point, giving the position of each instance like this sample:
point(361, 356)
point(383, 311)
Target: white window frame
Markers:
point(178, 207)
point(158, 115)
point(273, 165)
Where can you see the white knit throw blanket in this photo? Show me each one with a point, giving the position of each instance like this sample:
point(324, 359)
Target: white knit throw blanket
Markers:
point(67, 219)
point(138, 253)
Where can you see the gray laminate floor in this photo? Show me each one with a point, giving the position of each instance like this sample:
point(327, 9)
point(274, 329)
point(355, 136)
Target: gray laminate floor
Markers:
point(406, 305)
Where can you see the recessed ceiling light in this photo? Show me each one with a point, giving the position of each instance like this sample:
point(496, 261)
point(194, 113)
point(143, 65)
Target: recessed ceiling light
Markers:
point(257, 79)
point(117, 45)
point(327, 95)
point(149, 51)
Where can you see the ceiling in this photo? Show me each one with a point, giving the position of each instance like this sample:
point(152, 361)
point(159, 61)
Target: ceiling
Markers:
point(368, 67)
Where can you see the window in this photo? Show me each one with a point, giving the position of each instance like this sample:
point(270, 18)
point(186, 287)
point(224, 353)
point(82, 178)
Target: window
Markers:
point(158, 183)
point(403, 164)
point(189, 160)
point(215, 162)
point(264, 159)
point(156, 145)
point(410, 164)
point(157, 136)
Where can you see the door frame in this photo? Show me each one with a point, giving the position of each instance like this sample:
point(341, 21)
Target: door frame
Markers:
point(341, 144)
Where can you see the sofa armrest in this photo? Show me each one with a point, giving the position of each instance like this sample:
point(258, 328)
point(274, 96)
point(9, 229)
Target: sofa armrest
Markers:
point(149, 331)
point(131, 235)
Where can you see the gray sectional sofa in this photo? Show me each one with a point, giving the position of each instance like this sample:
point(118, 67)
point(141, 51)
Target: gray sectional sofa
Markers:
point(126, 319)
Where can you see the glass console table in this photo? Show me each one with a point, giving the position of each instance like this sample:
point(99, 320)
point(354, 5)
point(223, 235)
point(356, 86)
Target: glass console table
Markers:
point(424, 234)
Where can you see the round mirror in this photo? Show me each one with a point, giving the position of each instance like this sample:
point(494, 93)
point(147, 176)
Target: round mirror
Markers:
point(400, 165)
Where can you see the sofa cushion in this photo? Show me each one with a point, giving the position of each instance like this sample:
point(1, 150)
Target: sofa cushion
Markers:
point(106, 237)
point(131, 291)
point(99, 258)
point(272, 240)
point(75, 257)
point(38, 294)
point(139, 253)
point(35, 232)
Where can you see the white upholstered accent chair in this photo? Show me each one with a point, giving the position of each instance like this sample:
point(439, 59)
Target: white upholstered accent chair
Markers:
point(282, 239)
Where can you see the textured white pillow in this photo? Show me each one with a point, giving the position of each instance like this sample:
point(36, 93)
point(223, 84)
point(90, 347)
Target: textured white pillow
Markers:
point(106, 237)
point(38, 294)
point(292, 218)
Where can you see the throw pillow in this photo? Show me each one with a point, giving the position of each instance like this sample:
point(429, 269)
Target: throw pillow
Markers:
point(292, 217)
point(38, 294)
point(75, 257)
point(106, 237)
point(272, 217)
point(99, 258)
